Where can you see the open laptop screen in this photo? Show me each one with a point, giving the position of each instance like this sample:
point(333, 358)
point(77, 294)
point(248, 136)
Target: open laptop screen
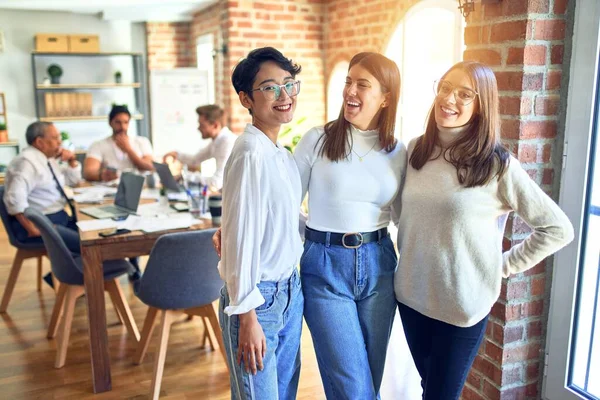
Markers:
point(129, 191)
point(166, 178)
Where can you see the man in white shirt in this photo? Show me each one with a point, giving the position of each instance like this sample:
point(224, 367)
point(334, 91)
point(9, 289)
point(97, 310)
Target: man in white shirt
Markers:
point(35, 179)
point(211, 125)
point(118, 152)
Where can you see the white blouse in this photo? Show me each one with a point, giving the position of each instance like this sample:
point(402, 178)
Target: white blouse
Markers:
point(261, 199)
point(351, 195)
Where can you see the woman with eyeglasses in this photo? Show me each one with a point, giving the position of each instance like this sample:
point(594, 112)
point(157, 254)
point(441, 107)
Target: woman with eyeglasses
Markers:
point(460, 186)
point(261, 303)
point(352, 169)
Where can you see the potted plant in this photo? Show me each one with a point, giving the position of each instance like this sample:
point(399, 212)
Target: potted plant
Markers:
point(66, 140)
point(3, 133)
point(295, 132)
point(55, 73)
point(118, 77)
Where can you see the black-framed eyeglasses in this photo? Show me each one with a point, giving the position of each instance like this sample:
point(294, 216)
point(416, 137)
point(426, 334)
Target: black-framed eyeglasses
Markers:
point(273, 92)
point(463, 96)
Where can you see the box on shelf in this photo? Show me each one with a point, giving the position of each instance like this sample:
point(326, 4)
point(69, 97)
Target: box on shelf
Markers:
point(51, 43)
point(84, 44)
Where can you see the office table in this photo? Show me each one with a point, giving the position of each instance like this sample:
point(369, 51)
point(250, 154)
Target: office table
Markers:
point(94, 251)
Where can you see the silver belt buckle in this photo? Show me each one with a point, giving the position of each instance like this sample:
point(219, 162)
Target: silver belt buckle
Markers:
point(352, 233)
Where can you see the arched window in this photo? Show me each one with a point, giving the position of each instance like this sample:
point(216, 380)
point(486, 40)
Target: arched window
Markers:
point(427, 42)
point(335, 86)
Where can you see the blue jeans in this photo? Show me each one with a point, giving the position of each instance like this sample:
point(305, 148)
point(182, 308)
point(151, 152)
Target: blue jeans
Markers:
point(443, 353)
point(65, 226)
point(281, 320)
point(349, 308)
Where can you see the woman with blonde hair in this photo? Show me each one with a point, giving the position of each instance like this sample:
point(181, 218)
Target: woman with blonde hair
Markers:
point(460, 186)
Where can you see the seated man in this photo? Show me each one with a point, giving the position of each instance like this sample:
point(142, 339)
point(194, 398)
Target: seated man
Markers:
point(35, 179)
point(211, 126)
point(118, 152)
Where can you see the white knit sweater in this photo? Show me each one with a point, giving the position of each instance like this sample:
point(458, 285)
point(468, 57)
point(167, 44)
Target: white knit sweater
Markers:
point(351, 195)
point(450, 237)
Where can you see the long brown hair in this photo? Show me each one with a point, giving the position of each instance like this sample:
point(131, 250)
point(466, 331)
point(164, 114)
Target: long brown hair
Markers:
point(336, 142)
point(478, 154)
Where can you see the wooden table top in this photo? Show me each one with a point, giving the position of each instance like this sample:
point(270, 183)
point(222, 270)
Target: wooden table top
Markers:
point(90, 238)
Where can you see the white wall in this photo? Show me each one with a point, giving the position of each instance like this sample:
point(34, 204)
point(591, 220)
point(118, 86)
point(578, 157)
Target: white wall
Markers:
point(16, 78)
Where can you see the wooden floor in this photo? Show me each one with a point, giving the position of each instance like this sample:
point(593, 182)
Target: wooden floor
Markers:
point(27, 357)
point(191, 372)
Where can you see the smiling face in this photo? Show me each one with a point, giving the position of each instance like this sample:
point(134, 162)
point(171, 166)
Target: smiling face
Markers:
point(449, 110)
point(363, 98)
point(208, 129)
point(269, 114)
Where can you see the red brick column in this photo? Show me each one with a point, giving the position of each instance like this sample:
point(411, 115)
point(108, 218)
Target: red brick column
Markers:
point(168, 45)
point(523, 41)
point(295, 28)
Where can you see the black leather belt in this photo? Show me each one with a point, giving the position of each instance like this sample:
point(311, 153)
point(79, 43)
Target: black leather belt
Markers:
point(350, 240)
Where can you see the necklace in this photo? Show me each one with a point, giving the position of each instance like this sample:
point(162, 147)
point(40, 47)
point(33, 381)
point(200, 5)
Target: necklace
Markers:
point(360, 158)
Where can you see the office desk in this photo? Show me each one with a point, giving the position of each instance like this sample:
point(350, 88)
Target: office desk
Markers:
point(94, 251)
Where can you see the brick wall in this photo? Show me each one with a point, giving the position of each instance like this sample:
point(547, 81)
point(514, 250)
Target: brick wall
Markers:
point(168, 45)
point(293, 27)
point(524, 42)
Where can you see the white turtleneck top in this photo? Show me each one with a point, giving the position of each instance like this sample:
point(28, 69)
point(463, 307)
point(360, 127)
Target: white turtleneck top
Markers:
point(351, 195)
point(450, 237)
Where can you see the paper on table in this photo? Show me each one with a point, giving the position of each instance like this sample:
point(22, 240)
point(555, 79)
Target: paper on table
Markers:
point(150, 194)
point(150, 224)
point(96, 224)
point(155, 209)
point(100, 190)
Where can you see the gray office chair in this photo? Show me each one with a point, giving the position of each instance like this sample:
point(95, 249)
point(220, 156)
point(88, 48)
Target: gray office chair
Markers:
point(24, 252)
point(181, 276)
point(68, 270)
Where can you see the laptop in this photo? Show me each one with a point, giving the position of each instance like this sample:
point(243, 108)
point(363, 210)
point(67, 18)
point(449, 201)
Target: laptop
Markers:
point(175, 191)
point(126, 199)
point(166, 178)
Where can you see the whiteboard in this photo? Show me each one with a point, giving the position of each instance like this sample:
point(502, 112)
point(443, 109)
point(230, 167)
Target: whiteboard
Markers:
point(174, 96)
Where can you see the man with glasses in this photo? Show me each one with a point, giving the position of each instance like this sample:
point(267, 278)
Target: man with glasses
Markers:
point(211, 124)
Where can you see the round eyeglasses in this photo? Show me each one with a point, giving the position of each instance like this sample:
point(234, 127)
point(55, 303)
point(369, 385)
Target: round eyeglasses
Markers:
point(463, 96)
point(273, 92)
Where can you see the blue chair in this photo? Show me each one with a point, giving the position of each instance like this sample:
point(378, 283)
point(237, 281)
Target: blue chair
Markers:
point(68, 270)
point(24, 252)
point(181, 276)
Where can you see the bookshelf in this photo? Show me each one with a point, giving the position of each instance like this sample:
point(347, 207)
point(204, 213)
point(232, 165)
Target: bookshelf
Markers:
point(10, 148)
point(87, 91)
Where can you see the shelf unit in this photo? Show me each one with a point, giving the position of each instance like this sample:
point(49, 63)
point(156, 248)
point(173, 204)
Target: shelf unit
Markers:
point(88, 86)
point(3, 145)
point(138, 86)
point(80, 118)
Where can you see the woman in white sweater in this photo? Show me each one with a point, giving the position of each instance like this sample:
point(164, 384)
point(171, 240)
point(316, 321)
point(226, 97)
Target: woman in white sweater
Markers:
point(460, 186)
point(352, 169)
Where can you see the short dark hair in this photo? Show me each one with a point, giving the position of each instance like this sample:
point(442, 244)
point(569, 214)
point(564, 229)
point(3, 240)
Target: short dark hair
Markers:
point(212, 112)
point(35, 130)
point(116, 109)
point(244, 74)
